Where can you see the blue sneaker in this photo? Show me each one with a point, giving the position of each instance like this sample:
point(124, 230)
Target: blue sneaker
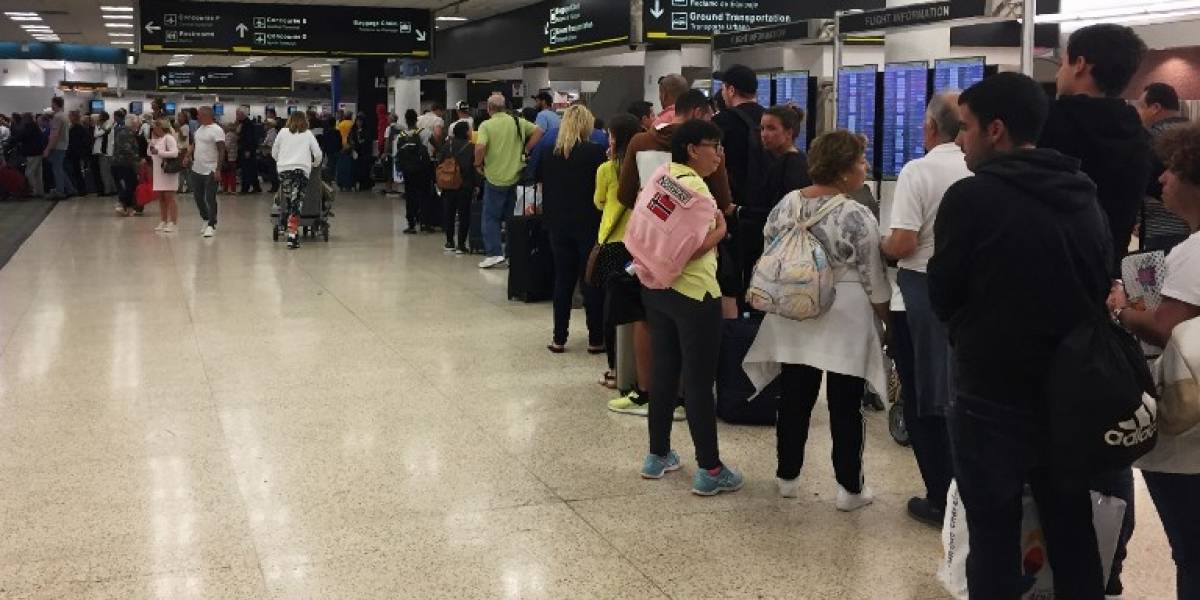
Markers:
point(656, 466)
point(727, 480)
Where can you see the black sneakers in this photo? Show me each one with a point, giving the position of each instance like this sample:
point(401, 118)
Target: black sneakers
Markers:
point(921, 510)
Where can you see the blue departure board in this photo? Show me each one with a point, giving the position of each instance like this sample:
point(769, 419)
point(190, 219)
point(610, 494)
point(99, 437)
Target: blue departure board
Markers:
point(856, 103)
point(791, 87)
point(764, 89)
point(905, 91)
point(956, 73)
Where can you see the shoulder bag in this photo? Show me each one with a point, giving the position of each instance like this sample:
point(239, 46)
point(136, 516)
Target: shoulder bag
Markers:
point(607, 258)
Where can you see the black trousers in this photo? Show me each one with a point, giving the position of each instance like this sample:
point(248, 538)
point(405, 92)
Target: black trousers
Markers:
point(418, 187)
point(685, 336)
point(1118, 484)
point(801, 384)
point(248, 166)
point(997, 450)
point(125, 178)
point(570, 249)
point(457, 204)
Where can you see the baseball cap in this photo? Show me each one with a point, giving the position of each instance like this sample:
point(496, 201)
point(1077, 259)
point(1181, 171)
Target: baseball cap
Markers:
point(740, 77)
point(462, 105)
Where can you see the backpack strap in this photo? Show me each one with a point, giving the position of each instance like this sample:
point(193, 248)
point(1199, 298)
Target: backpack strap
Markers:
point(829, 207)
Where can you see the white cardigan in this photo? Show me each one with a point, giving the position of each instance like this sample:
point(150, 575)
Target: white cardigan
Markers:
point(293, 151)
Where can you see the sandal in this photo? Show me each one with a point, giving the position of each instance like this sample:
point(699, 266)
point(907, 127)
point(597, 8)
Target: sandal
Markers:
point(556, 348)
point(609, 380)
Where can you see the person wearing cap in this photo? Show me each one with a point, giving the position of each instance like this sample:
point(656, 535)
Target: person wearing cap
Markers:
point(547, 119)
point(746, 162)
point(670, 88)
point(462, 114)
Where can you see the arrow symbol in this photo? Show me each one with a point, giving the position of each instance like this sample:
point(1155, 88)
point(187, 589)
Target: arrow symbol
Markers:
point(164, 78)
point(420, 35)
point(241, 29)
point(151, 27)
point(657, 11)
point(547, 28)
point(202, 78)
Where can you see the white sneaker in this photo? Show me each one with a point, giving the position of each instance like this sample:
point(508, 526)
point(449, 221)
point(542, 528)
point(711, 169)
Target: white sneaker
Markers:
point(788, 488)
point(209, 231)
point(491, 261)
point(847, 502)
point(120, 208)
point(162, 225)
point(170, 228)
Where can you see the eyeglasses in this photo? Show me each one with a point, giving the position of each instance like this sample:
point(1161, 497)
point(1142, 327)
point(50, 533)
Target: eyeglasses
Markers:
point(715, 146)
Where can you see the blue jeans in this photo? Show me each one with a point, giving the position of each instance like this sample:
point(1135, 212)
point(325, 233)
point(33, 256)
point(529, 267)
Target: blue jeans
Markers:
point(62, 183)
point(498, 205)
point(1176, 497)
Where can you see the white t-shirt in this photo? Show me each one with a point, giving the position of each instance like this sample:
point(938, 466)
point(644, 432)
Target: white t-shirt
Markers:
point(293, 151)
point(919, 191)
point(427, 123)
point(205, 155)
point(1183, 272)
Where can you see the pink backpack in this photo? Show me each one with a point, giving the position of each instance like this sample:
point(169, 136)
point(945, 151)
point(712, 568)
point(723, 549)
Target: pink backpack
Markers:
point(668, 224)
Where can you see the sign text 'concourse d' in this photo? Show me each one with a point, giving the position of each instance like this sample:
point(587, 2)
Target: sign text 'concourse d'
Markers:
point(170, 27)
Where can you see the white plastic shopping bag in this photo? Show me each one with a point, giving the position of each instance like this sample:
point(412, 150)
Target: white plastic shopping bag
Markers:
point(1107, 515)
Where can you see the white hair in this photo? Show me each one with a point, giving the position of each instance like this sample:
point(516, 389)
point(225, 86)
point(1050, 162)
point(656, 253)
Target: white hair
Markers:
point(497, 103)
point(943, 113)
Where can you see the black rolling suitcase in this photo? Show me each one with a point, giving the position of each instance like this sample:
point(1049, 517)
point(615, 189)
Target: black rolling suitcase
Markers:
point(432, 208)
point(734, 390)
point(530, 262)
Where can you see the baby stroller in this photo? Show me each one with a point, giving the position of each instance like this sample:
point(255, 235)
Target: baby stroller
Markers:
point(315, 212)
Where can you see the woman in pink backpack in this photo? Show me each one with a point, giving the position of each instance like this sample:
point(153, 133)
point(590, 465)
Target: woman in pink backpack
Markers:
point(683, 302)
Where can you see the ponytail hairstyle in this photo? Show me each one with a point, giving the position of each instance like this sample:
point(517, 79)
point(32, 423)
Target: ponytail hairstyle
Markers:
point(790, 115)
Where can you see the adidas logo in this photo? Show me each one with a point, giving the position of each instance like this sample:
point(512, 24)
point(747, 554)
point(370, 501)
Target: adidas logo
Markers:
point(1134, 431)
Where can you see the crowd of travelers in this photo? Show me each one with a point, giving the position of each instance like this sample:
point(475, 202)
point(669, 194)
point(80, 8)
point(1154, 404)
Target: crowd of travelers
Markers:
point(1000, 243)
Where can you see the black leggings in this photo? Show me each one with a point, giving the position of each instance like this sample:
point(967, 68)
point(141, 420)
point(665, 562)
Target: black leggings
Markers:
point(685, 336)
point(571, 249)
point(801, 386)
point(457, 203)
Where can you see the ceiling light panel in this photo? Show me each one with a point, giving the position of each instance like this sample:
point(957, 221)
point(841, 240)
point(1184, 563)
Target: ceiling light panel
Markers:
point(116, 8)
point(119, 25)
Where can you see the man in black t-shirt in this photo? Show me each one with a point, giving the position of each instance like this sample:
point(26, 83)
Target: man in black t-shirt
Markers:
point(746, 162)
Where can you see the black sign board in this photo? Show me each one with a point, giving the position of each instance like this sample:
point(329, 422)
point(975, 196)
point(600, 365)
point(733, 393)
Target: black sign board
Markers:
point(698, 20)
point(573, 25)
point(224, 79)
point(283, 29)
point(764, 35)
point(512, 37)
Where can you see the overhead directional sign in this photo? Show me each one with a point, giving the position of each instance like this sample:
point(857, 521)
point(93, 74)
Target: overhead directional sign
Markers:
point(224, 79)
point(573, 25)
point(698, 20)
point(169, 26)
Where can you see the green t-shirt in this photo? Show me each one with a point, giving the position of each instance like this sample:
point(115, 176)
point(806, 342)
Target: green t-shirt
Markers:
point(505, 154)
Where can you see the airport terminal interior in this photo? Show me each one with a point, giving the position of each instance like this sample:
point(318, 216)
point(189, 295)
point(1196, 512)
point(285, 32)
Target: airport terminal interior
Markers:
point(353, 400)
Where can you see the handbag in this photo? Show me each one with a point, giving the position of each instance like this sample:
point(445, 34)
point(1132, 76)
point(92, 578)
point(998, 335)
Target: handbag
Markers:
point(171, 166)
point(607, 258)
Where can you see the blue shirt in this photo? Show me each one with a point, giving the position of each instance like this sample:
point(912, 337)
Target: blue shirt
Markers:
point(546, 146)
point(548, 119)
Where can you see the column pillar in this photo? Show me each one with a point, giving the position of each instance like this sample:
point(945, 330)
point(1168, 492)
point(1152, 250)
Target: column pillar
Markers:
point(536, 77)
point(456, 89)
point(408, 95)
point(335, 88)
point(372, 91)
point(659, 63)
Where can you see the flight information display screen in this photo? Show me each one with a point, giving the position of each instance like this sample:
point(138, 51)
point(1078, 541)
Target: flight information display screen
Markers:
point(957, 73)
point(905, 91)
point(856, 103)
point(791, 87)
point(764, 90)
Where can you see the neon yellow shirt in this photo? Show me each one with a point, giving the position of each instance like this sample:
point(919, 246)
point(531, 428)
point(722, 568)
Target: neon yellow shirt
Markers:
point(699, 277)
point(616, 216)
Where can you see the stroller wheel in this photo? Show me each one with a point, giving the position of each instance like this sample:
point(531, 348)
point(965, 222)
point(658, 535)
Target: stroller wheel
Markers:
point(896, 426)
point(325, 232)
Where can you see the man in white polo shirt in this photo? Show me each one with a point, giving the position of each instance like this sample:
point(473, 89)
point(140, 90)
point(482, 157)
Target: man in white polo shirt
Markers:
point(919, 191)
point(208, 154)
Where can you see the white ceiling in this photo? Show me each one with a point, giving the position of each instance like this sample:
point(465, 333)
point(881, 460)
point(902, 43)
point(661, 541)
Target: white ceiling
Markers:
point(79, 22)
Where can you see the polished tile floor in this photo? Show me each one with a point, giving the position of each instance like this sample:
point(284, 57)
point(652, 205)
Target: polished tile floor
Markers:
point(369, 418)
